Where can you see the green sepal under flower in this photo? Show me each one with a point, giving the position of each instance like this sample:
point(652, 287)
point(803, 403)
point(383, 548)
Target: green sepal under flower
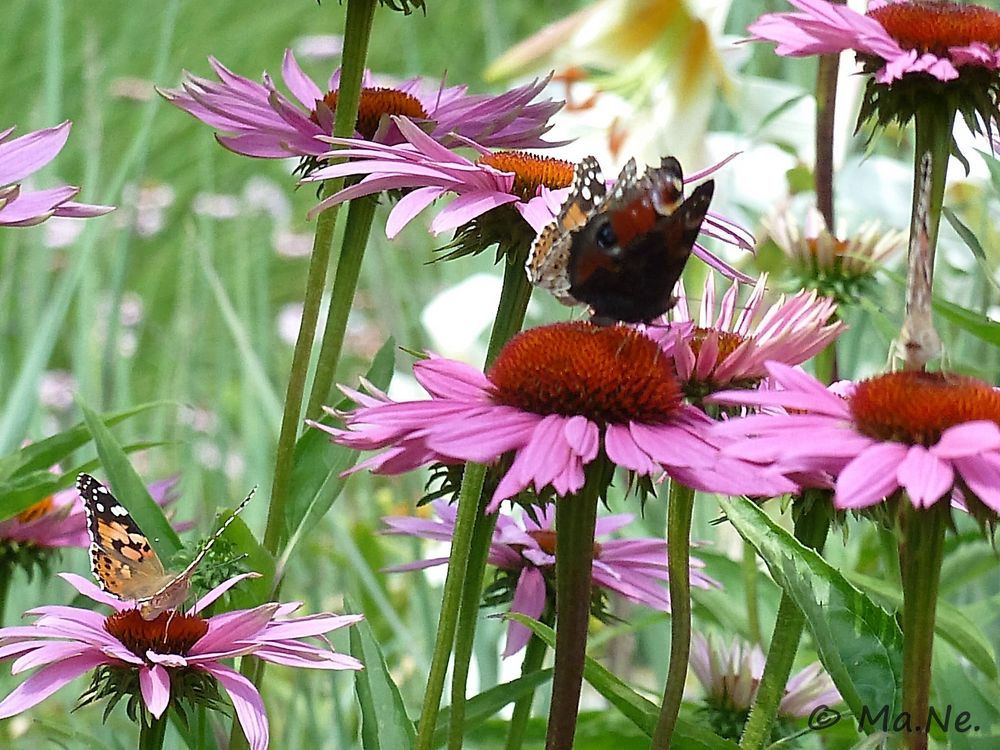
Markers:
point(501, 226)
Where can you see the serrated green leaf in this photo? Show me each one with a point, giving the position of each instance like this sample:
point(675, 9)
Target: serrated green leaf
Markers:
point(129, 488)
point(859, 643)
point(950, 624)
point(384, 723)
point(637, 709)
point(484, 705)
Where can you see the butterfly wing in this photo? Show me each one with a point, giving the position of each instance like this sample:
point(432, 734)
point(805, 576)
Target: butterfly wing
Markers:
point(627, 260)
point(175, 590)
point(549, 256)
point(121, 558)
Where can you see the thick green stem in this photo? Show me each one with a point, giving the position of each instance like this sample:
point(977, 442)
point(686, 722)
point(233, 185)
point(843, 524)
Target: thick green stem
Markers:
point(461, 542)
point(357, 30)
point(151, 736)
point(826, 107)
point(472, 591)
point(576, 518)
point(534, 656)
point(918, 337)
point(510, 316)
point(811, 528)
point(360, 213)
point(921, 550)
point(679, 514)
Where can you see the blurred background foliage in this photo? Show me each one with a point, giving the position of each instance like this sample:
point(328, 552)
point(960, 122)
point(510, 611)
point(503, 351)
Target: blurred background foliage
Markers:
point(188, 293)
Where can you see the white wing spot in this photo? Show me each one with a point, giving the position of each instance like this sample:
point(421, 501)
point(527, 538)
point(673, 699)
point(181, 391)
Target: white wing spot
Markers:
point(117, 510)
point(100, 507)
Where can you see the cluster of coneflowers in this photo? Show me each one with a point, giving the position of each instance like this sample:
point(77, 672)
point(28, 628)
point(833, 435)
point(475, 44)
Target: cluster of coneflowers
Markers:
point(713, 403)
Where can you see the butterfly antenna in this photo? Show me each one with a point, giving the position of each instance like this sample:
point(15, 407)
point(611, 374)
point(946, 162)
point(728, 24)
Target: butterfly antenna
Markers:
point(219, 532)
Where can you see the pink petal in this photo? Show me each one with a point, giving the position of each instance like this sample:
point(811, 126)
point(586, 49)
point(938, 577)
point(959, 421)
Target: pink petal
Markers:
point(247, 703)
point(529, 599)
point(90, 590)
point(154, 683)
point(925, 477)
point(408, 207)
point(210, 598)
point(46, 681)
point(968, 439)
point(302, 86)
point(870, 477)
point(30, 152)
point(467, 207)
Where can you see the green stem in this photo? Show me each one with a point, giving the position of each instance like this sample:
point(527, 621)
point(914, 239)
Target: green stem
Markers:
point(921, 550)
point(151, 736)
point(576, 518)
point(534, 656)
point(826, 106)
point(811, 528)
point(679, 514)
point(357, 30)
point(357, 227)
point(468, 509)
point(931, 153)
point(749, 566)
point(514, 298)
point(472, 591)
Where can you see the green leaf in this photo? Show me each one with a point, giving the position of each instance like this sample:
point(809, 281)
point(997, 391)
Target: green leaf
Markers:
point(318, 464)
point(967, 235)
point(46, 453)
point(130, 489)
point(961, 691)
point(637, 709)
point(484, 705)
point(969, 321)
point(384, 723)
point(252, 591)
point(859, 643)
point(951, 624)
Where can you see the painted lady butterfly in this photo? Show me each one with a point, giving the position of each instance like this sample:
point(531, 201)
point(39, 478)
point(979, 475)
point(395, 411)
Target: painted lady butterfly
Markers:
point(621, 252)
point(122, 560)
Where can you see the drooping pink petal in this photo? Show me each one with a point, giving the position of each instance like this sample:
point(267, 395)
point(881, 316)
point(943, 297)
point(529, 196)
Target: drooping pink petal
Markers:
point(247, 703)
point(154, 683)
point(924, 476)
point(529, 599)
point(46, 681)
point(870, 477)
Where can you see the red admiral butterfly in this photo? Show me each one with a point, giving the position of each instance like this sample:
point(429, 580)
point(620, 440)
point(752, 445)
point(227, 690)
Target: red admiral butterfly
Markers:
point(620, 252)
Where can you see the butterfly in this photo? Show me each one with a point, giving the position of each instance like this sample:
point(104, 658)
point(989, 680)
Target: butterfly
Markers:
point(122, 560)
point(620, 252)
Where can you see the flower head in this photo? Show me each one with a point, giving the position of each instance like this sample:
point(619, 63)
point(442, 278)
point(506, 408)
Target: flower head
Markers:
point(840, 266)
point(914, 50)
point(731, 676)
point(258, 120)
point(557, 398)
point(730, 351)
point(523, 548)
point(535, 186)
point(24, 156)
point(926, 433)
point(164, 653)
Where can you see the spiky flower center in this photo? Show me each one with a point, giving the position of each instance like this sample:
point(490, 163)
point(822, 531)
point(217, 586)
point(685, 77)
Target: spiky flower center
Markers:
point(376, 102)
point(937, 26)
point(916, 407)
point(170, 633)
point(728, 342)
point(531, 171)
point(839, 246)
point(606, 374)
point(36, 511)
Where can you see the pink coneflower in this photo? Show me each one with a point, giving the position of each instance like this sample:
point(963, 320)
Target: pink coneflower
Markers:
point(258, 120)
point(557, 398)
point(926, 433)
point(916, 51)
point(936, 38)
point(728, 349)
point(60, 521)
point(524, 547)
point(731, 676)
point(168, 653)
point(535, 186)
point(24, 156)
